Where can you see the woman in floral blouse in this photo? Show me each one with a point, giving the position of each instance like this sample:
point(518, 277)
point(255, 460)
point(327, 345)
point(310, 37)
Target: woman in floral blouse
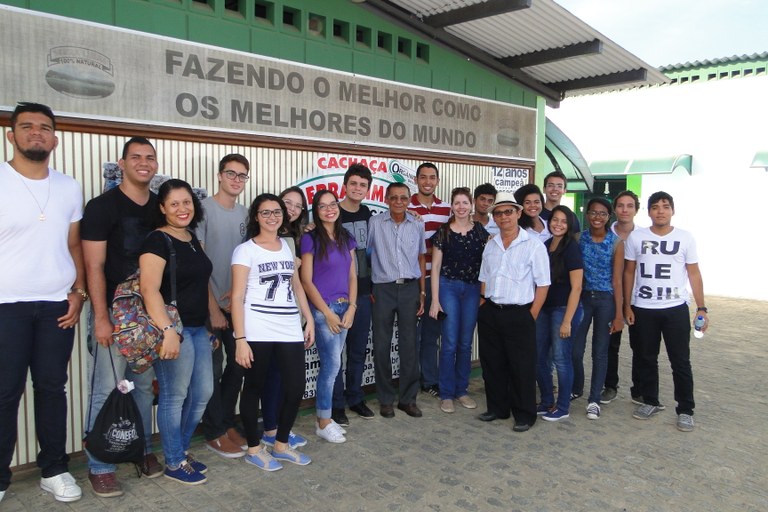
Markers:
point(456, 255)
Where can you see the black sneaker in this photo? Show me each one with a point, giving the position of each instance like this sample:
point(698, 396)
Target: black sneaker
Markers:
point(362, 410)
point(340, 417)
point(608, 395)
point(432, 390)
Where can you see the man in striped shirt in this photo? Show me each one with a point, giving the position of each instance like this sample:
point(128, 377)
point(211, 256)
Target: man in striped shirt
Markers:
point(434, 213)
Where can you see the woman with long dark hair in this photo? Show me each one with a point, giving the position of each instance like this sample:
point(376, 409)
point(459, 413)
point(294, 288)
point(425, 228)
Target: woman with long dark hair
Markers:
point(291, 231)
point(185, 370)
point(330, 281)
point(601, 297)
point(532, 200)
point(264, 279)
point(457, 251)
point(560, 316)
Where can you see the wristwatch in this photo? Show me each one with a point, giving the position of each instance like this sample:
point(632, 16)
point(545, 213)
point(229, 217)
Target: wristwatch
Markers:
point(81, 292)
point(702, 308)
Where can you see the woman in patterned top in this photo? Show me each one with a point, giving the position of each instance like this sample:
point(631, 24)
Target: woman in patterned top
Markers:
point(456, 256)
point(601, 297)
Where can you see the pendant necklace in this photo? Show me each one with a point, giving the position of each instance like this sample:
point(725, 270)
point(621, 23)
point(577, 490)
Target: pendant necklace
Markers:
point(41, 217)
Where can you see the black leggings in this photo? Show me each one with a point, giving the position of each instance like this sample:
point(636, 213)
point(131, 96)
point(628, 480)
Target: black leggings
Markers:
point(290, 361)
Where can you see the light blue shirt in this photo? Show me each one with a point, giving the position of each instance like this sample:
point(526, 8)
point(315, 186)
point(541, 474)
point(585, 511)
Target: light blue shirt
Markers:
point(395, 248)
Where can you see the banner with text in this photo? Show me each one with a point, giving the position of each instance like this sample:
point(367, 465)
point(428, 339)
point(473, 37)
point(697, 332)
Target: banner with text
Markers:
point(96, 71)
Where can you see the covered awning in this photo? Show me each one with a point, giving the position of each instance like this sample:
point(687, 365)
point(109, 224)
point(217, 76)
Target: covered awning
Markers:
point(660, 165)
point(760, 160)
point(537, 43)
point(564, 156)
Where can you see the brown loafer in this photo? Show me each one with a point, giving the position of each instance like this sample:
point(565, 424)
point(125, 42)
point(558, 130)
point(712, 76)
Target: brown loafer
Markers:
point(411, 410)
point(387, 411)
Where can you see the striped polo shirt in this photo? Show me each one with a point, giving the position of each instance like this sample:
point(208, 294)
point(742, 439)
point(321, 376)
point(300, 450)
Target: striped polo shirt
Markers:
point(433, 216)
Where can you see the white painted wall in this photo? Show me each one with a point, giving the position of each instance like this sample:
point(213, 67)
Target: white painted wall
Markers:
point(722, 124)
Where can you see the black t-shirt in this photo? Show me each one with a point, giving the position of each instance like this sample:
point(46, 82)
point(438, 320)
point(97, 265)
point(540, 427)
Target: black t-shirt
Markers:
point(113, 217)
point(560, 288)
point(357, 224)
point(193, 269)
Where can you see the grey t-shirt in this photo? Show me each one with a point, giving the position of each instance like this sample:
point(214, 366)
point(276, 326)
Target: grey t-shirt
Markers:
point(220, 232)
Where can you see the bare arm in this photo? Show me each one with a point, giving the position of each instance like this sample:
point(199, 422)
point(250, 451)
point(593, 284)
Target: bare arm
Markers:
point(349, 316)
point(243, 352)
point(576, 277)
point(618, 294)
point(538, 300)
point(95, 256)
point(301, 300)
point(437, 262)
point(75, 300)
point(422, 283)
point(629, 284)
point(697, 287)
point(151, 267)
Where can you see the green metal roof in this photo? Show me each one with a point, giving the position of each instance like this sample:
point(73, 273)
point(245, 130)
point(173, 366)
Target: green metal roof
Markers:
point(760, 160)
point(661, 165)
point(564, 156)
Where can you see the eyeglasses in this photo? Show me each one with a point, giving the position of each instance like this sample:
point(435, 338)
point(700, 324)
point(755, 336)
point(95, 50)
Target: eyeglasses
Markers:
point(557, 186)
point(293, 206)
point(232, 175)
point(265, 214)
point(600, 215)
point(330, 206)
point(506, 213)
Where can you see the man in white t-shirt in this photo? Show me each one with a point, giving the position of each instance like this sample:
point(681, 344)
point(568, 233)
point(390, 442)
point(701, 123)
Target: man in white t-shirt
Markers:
point(42, 291)
point(659, 263)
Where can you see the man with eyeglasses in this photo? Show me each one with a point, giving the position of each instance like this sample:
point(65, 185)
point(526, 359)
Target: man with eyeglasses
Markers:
point(397, 247)
point(514, 280)
point(223, 229)
point(434, 213)
point(555, 186)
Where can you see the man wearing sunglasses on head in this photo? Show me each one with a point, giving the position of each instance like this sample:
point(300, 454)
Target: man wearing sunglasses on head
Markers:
point(223, 229)
point(514, 280)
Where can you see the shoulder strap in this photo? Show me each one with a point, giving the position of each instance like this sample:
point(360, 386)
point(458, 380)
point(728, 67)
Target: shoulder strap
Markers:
point(171, 266)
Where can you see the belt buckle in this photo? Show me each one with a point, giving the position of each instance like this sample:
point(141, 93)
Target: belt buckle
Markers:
point(400, 281)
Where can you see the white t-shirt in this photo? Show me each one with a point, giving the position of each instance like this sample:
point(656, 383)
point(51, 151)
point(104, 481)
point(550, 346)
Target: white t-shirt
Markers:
point(661, 275)
point(271, 313)
point(35, 262)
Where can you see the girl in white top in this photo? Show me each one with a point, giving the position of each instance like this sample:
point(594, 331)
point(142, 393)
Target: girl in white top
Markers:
point(266, 299)
point(532, 199)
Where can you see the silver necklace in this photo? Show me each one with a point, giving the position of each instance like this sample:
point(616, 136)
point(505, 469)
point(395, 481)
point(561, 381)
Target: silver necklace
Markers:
point(41, 217)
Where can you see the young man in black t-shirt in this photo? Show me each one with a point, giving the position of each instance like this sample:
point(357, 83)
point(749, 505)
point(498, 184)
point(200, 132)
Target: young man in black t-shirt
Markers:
point(113, 228)
point(354, 217)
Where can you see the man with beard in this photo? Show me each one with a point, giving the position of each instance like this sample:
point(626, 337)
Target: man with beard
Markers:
point(42, 291)
point(434, 213)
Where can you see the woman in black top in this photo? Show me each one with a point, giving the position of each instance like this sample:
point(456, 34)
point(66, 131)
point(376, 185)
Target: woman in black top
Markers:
point(560, 316)
point(184, 371)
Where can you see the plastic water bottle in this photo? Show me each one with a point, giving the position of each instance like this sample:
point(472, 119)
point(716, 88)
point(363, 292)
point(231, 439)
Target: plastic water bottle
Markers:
point(697, 326)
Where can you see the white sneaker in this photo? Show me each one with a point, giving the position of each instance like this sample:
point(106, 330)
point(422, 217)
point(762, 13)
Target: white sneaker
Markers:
point(63, 487)
point(339, 427)
point(330, 433)
point(2, 495)
point(593, 411)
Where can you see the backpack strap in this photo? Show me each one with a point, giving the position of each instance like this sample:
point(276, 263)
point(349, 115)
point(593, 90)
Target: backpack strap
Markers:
point(171, 266)
point(93, 379)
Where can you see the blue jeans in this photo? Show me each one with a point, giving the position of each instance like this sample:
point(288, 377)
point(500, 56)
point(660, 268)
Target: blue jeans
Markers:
point(30, 339)
point(186, 384)
point(600, 307)
point(329, 347)
point(427, 337)
point(548, 335)
point(104, 383)
point(357, 348)
point(460, 301)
